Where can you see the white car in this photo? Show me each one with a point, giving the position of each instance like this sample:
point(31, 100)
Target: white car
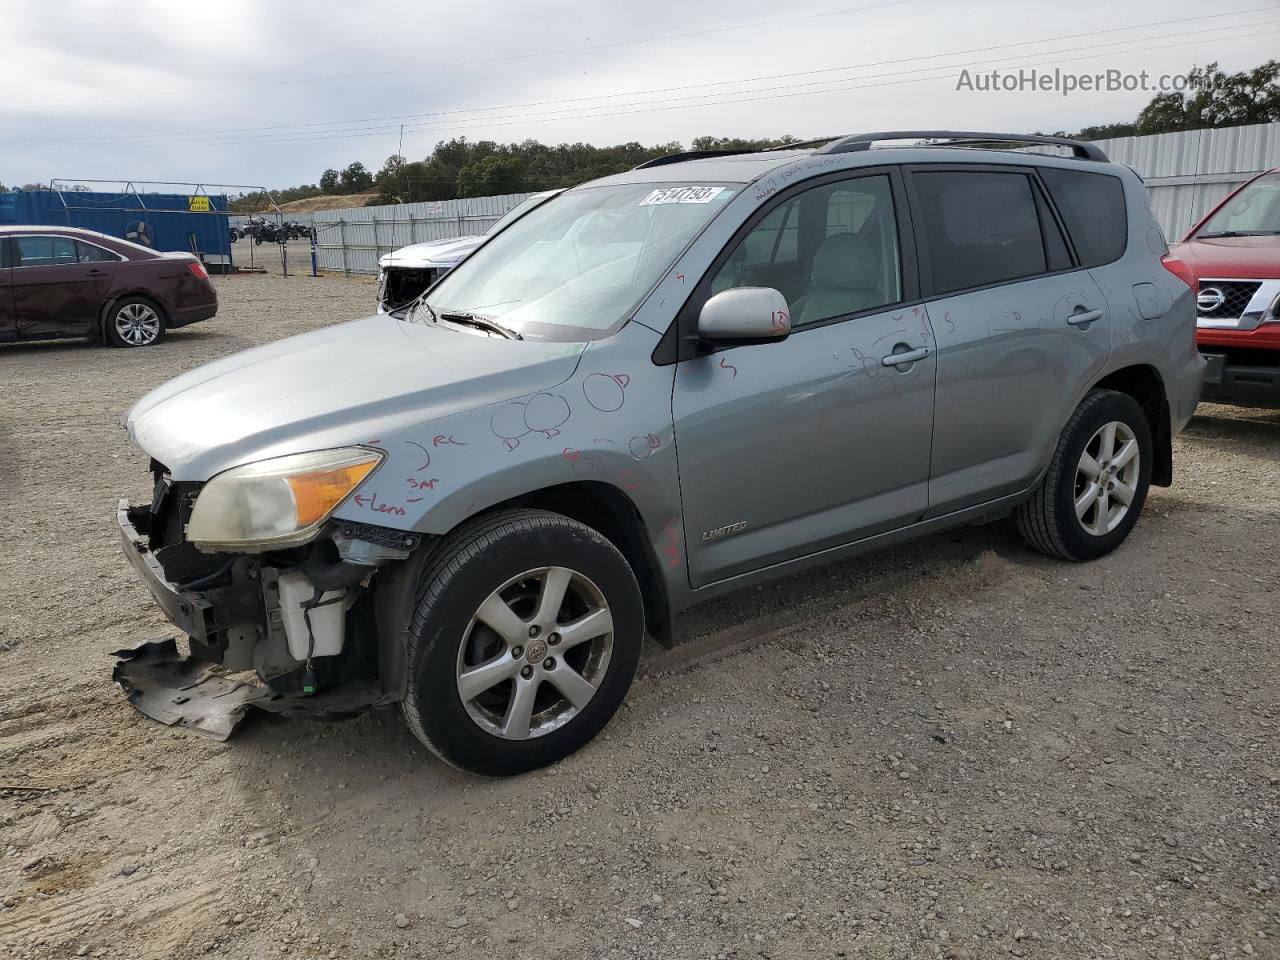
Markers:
point(403, 274)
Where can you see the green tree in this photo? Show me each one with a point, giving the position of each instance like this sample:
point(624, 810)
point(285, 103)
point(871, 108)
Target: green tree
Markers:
point(738, 143)
point(1216, 99)
point(355, 178)
point(490, 176)
point(329, 181)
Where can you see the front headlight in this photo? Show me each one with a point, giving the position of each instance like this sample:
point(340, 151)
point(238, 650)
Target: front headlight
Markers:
point(279, 502)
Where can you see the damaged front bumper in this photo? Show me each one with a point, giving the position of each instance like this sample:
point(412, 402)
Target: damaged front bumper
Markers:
point(186, 610)
point(236, 612)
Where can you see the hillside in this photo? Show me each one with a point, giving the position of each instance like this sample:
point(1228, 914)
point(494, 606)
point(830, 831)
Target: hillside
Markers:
point(328, 202)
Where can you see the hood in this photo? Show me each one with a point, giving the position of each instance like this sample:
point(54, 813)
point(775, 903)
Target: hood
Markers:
point(1245, 258)
point(433, 253)
point(334, 387)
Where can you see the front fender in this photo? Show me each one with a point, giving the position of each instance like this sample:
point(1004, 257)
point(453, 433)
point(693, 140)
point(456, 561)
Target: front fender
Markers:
point(609, 422)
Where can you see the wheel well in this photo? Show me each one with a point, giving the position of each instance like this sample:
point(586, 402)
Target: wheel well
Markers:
point(610, 512)
point(1143, 383)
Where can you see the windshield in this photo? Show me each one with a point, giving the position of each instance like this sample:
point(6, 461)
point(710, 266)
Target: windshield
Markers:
point(1254, 210)
point(519, 210)
point(579, 266)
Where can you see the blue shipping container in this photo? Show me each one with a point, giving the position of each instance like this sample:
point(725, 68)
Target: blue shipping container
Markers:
point(174, 225)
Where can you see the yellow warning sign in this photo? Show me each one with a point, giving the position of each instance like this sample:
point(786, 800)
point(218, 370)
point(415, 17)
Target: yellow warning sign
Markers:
point(198, 204)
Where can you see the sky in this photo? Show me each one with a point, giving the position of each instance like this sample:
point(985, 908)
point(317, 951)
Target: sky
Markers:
point(273, 93)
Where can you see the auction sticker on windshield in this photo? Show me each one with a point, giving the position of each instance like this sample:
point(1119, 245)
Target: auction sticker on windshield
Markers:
point(682, 195)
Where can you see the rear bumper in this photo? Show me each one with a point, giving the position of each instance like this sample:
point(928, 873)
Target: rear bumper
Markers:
point(182, 316)
point(1249, 385)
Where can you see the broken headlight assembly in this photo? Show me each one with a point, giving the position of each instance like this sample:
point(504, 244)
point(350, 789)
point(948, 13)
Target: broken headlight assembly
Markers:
point(281, 502)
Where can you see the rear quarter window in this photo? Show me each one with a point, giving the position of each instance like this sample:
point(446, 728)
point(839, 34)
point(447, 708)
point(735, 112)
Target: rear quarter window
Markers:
point(89, 253)
point(1093, 209)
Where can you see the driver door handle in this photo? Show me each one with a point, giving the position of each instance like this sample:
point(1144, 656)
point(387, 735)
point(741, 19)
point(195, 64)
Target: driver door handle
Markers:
point(1084, 316)
point(910, 356)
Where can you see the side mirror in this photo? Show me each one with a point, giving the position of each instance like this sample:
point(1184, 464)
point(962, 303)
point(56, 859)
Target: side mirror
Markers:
point(745, 315)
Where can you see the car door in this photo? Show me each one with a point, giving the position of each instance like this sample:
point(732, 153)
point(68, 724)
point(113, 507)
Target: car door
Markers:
point(791, 447)
point(8, 318)
point(54, 293)
point(1021, 329)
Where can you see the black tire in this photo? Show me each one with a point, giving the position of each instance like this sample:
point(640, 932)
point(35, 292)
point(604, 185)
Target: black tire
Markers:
point(1048, 521)
point(464, 569)
point(115, 325)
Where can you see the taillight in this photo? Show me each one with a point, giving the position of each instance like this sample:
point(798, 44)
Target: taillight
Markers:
point(196, 267)
point(1181, 271)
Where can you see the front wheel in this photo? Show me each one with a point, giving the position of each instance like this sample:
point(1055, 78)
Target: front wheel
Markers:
point(524, 640)
point(1096, 483)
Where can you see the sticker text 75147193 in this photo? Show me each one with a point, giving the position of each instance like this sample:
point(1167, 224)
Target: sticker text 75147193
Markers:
point(681, 195)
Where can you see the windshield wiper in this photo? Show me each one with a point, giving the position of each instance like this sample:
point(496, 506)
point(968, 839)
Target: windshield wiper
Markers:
point(483, 323)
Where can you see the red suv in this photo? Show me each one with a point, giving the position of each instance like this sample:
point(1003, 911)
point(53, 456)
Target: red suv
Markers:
point(1233, 256)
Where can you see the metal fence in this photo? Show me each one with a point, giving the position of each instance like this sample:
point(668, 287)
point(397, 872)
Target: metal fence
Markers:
point(351, 240)
point(1186, 174)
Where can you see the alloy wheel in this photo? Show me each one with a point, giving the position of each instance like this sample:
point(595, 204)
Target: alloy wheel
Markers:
point(137, 324)
point(535, 653)
point(1107, 478)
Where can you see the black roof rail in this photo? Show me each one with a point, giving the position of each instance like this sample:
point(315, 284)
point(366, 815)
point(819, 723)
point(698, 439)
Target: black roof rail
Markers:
point(688, 155)
point(863, 141)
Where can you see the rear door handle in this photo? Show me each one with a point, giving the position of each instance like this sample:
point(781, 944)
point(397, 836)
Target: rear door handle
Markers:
point(908, 356)
point(96, 273)
point(1083, 317)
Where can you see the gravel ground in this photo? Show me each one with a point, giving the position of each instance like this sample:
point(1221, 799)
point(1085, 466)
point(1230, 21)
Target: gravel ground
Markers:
point(954, 748)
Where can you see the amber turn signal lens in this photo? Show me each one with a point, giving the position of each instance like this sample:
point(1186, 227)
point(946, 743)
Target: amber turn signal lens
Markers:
point(315, 494)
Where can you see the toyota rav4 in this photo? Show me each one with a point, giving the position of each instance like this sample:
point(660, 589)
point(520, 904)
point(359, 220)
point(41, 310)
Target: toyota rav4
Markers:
point(705, 373)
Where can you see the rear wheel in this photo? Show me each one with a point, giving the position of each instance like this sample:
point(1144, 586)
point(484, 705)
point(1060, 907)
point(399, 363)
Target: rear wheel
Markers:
point(134, 322)
point(1097, 481)
point(523, 643)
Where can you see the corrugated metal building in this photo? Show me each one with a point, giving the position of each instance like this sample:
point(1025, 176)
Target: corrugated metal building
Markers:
point(174, 225)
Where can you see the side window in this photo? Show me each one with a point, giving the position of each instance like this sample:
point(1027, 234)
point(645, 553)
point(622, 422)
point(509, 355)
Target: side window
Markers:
point(4, 252)
point(831, 250)
point(980, 227)
point(1092, 206)
point(45, 251)
point(88, 253)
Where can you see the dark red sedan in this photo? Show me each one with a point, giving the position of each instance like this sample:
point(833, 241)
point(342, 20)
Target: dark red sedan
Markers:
point(66, 282)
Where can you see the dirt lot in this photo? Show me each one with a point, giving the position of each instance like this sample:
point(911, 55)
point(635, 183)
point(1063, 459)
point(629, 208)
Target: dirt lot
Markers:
point(955, 748)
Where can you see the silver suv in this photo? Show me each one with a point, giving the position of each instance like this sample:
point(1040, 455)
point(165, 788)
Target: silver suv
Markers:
point(705, 373)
